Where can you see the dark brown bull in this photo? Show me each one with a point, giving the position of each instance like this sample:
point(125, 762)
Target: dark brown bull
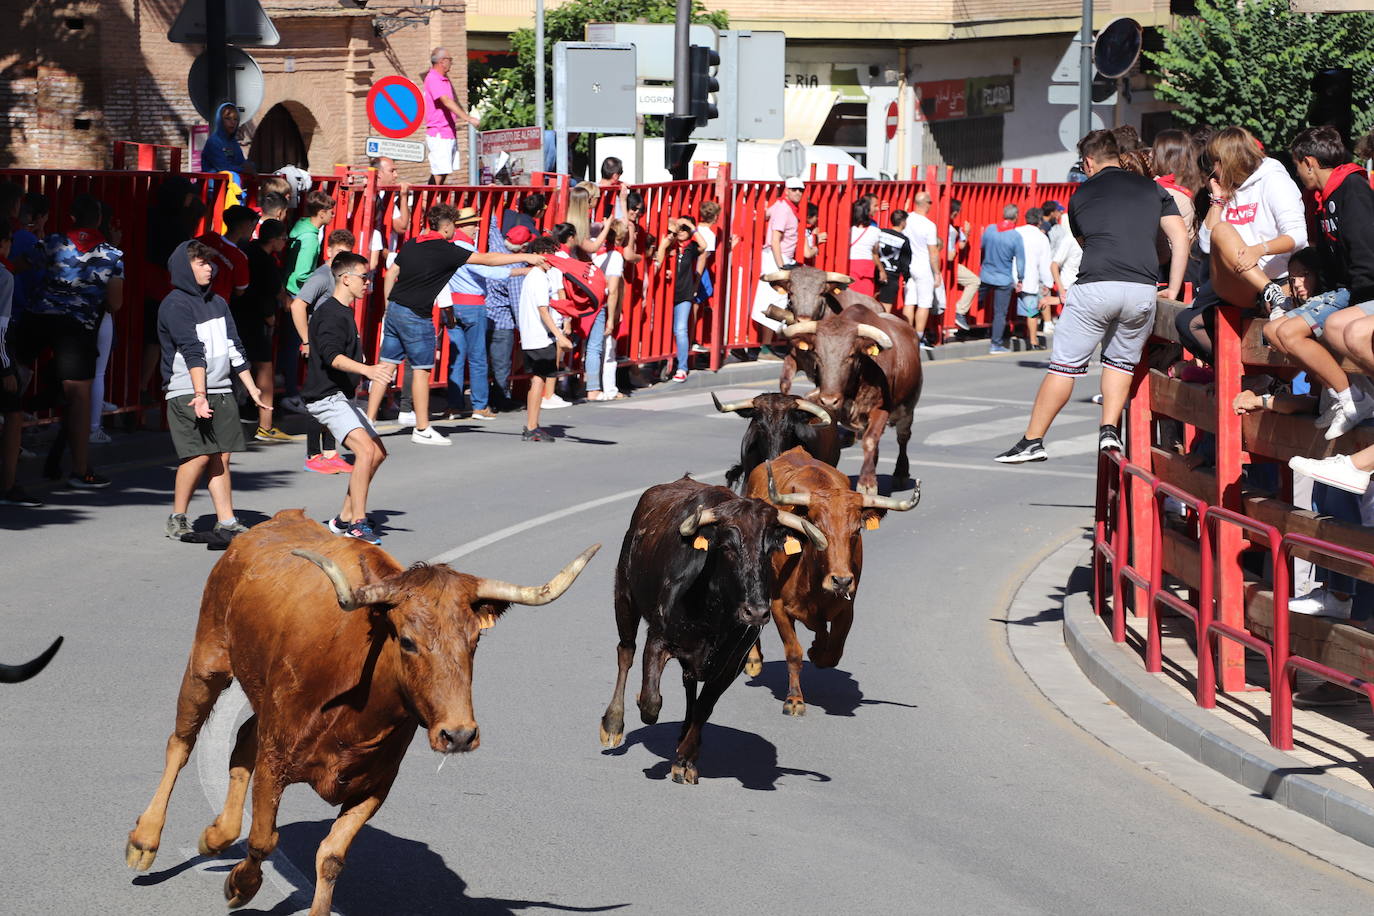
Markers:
point(695, 566)
point(868, 368)
point(13, 674)
point(777, 422)
point(811, 294)
point(336, 696)
point(811, 588)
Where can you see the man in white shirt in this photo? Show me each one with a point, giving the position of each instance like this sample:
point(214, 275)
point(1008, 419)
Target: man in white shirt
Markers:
point(1036, 279)
point(925, 265)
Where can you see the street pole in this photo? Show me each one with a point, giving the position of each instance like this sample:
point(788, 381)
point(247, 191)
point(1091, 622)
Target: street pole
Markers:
point(1085, 71)
point(217, 51)
point(539, 119)
point(682, 59)
point(474, 144)
point(729, 93)
point(560, 109)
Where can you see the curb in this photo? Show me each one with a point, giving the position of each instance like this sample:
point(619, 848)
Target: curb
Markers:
point(1202, 735)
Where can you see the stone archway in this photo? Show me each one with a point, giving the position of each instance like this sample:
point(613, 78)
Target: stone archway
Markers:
point(282, 137)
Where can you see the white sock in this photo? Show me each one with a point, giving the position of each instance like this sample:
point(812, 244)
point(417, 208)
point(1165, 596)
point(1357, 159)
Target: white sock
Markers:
point(1344, 397)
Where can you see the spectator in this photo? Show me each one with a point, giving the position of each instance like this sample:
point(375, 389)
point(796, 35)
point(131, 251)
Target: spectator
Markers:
point(1051, 224)
point(172, 219)
point(331, 380)
point(11, 409)
point(1116, 214)
point(26, 249)
point(590, 237)
point(255, 314)
point(864, 264)
point(779, 253)
point(923, 286)
point(813, 240)
point(1173, 163)
point(231, 261)
point(1036, 279)
point(321, 450)
point(84, 279)
point(104, 343)
point(274, 206)
point(442, 115)
point(466, 321)
point(423, 266)
point(1004, 262)
point(390, 224)
point(1343, 212)
point(530, 209)
point(222, 152)
point(1254, 223)
point(540, 336)
point(612, 183)
point(685, 257)
point(894, 251)
point(956, 250)
point(503, 298)
point(601, 359)
point(11, 193)
point(301, 258)
point(200, 347)
point(1064, 264)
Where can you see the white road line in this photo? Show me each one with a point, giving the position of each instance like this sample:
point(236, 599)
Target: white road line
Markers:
point(1036, 468)
point(1077, 445)
point(938, 411)
point(978, 432)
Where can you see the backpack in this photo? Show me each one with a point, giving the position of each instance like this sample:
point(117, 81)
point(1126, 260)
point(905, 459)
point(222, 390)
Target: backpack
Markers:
point(584, 286)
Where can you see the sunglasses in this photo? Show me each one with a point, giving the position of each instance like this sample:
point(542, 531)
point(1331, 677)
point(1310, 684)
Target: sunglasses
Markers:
point(362, 276)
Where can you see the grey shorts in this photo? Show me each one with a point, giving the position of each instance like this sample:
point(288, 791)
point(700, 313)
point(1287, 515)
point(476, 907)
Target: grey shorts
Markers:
point(1118, 316)
point(340, 416)
point(192, 436)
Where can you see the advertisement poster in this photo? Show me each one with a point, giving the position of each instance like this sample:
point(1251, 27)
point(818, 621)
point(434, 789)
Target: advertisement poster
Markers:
point(509, 156)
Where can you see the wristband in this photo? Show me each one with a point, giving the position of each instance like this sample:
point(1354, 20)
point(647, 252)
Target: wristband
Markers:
point(1266, 246)
point(198, 394)
point(1267, 401)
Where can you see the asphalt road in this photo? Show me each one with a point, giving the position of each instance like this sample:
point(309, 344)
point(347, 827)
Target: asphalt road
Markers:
point(929, 776)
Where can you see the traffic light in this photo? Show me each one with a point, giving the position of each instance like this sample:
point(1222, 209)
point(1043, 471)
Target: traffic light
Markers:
point(703, 84)
point(1331, 100)
point(677, 151)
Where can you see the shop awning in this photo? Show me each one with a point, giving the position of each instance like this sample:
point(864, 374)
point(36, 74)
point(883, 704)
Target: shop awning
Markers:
point(805, 111)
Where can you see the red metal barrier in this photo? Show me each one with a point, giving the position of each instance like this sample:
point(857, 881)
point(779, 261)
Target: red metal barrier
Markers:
point(1158, 596)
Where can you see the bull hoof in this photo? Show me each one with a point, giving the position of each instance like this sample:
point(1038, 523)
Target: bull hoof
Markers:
point(868, 488)
point(208, 847)
point(239, 892)
point(648, 712)
point(136, 857)
point(753, 666)
point(794, 706)
point(685, 773)
point(611, 734)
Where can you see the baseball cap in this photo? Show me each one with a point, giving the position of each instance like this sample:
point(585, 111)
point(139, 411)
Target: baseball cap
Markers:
point(520, 235)
point(795, 183)
point(1053, 205)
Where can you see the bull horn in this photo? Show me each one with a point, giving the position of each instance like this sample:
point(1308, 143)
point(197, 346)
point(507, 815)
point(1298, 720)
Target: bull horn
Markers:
point(797, 523)
point(777, 276)
point(784, 499)
point(350, 598)
point(778, 313)
point(842, 279)
point(877, 335)
point(496, 590)
point(815, 410)
point(809, 327)
point(696, 520)
point(896, 505)
point(733, 405)
point(13, 674)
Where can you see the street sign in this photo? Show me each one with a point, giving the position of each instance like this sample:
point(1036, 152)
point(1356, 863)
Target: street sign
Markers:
point(654, 100)
point(653, 43)
point(599, 86)
point(400, 150)
point(1068, 95)
point(1117, 47)
point(891, 120)
point(245, 84)
point(519, 151)
point(246, 25)
point(1068, 129)
point(791, 159)
point(759, 84)
point(395, 107)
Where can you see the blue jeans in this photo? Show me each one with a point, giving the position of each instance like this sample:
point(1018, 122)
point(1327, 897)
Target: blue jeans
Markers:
point(682, 315)
point(596, 346)
point(500, 347)
point(407, 338)
point(1001, 301)
point(470, 340)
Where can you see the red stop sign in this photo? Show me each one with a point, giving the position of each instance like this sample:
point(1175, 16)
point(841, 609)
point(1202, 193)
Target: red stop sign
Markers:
point(891, 120)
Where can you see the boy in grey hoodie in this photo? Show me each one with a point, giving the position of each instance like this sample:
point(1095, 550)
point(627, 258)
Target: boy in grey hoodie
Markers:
point(200, 347)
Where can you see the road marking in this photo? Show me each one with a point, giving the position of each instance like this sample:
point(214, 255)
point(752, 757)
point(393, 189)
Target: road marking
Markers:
point(938, 411)
point(1078, 445)
point(977, 432)
point(701, 397)
point(1036, 468)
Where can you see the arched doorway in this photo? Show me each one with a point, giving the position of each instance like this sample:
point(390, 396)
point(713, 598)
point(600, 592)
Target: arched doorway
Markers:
point(278, 141)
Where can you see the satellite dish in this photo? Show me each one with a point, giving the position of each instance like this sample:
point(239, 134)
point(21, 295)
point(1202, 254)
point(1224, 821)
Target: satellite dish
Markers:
point(1117, 48)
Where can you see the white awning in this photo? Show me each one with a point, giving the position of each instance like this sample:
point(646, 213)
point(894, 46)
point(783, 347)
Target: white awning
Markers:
point(805, 111)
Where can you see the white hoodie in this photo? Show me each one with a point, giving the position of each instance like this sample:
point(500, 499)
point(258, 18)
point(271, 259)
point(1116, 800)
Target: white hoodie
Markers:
point(1267, 205)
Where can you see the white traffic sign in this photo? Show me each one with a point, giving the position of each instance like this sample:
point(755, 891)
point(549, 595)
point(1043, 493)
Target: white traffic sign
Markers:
point(1068, 95)
point(244, 81)
point(1070, 65)
point(245, 24)
point(653, 42)
point(1068, 129)
point(654, 100)
point(400, 150)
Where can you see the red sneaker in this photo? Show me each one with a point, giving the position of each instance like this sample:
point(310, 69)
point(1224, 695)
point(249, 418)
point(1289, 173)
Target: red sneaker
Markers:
point(339, 464)
point(320, 465)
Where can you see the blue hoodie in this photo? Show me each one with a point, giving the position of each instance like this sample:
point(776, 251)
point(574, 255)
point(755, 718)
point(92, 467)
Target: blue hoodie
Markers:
point(222, 152)
point(1000, 249)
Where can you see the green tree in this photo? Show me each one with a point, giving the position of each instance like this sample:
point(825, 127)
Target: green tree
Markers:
point(1251, 64)
point(506, 94)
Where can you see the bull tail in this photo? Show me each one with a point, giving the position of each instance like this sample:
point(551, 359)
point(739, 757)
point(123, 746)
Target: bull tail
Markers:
point(733, 478)
point(13, 674)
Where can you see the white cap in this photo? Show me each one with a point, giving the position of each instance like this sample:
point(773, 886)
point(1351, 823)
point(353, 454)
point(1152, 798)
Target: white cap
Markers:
point(795, 183)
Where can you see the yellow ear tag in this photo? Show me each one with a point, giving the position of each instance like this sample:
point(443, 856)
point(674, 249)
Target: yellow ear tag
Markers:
point(486, 621)
point(700, 543)
point(791, 545)
point(802, 345)
point(871, 523)
point(873, 350)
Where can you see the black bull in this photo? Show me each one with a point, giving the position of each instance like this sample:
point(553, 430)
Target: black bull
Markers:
point(778, 422)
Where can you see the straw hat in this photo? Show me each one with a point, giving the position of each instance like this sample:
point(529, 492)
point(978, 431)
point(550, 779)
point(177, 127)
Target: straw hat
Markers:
point(467, 216)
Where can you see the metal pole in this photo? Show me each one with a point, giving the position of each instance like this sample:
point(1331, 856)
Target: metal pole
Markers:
point(539, 119)
point(729, 93)
point(474, 145)
point(639, 148)
point(560, 106)
point(217, 53)
point(1085, 71)
point(682, 59)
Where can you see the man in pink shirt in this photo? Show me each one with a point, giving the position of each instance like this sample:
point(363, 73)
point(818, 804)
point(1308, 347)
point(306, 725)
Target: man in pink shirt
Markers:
point(780, 252)
point(442, 115)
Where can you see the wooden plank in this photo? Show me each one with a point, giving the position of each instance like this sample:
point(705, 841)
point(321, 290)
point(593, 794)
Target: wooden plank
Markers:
point(1291, 520)
point(1165, 312)
point(1283, 436)
point(1173, 469)
point(1346, 648)
point(1193, 404)
point(1179, 557)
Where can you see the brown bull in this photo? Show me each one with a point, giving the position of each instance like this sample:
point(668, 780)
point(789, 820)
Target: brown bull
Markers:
point(812, 293)
point(814, 588)
point(868, 369)
point(336, 696)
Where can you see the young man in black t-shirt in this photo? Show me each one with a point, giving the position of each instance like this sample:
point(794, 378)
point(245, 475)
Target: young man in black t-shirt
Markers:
point(1116, 216)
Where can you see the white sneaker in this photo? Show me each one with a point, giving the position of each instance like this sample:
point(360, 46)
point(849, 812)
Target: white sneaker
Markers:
point(100, 437)
point(428, 436)
point(554, 402)
point(1049, 328)
point(1329, 415)
point(1320, 603)
point(1346, 420)
point(406, 418)
point(1337, 471)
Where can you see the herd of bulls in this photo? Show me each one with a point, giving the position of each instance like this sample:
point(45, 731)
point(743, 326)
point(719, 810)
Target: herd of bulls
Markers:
point(343, 653)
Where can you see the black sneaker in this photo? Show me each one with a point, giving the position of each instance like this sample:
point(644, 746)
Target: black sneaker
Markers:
point(961, 322)
point(88, 481)
point(1108, 439)
point(1023, 451)
point(17, 496)
point(536, 435)
point(1276, 298)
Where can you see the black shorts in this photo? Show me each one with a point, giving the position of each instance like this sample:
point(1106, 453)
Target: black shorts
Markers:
point(73, 345)
point(192, 436)
point(542, 362)
point(256, 337)
point(887, 293)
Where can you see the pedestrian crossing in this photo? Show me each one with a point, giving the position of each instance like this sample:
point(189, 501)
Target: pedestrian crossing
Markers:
point(1001, 428)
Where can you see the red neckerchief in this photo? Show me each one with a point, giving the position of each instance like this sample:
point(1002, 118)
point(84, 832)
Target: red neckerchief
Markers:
point(461, 236)
point(429, 236)
point(1169, 183)
point(1339, 174)
point(1006, 225)
point(85, 239)
point(796, 208)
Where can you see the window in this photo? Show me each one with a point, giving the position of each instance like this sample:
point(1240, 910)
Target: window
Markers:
point(972, 145)
point(847, 128)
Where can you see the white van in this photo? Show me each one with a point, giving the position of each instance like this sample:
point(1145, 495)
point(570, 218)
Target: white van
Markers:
point(758, 160)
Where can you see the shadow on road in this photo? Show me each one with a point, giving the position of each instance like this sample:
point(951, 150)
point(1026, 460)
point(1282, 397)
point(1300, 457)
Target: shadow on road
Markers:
point(726, 753)
point(831, 689)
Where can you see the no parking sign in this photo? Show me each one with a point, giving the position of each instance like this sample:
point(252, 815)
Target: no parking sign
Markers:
point(395, 107)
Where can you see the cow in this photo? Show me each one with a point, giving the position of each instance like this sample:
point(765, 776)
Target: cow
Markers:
point(868, 368)
point(695, 566)
point(816, 590)
point(777, 422)
point(13, 674)
point(811, 294)
point(336, 695)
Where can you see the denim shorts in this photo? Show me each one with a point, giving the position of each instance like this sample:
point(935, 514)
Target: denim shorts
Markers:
point(1028, 305)
point(1321, 307)
point(407, 338)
